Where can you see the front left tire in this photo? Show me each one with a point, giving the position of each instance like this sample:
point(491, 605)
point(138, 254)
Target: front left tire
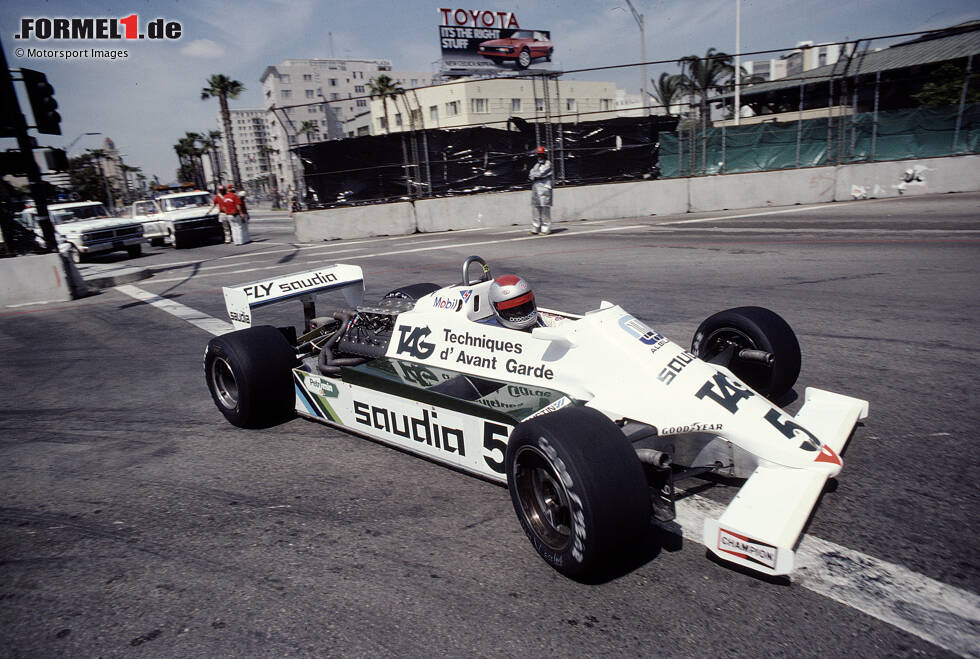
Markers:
point(249, 374)
point(578, 489)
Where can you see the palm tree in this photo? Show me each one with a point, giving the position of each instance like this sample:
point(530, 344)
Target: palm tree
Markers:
point(309, 128)
point(382, 87)
point(222, 87)
point(704, 75)
point(209, 145)
point(666, 89)
point(189, 154)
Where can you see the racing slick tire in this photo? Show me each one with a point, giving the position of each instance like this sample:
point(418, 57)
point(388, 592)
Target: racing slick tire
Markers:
point(412, 292)
point(249, 374)
point(753, 328)
point(524, 59)
point(578, 489)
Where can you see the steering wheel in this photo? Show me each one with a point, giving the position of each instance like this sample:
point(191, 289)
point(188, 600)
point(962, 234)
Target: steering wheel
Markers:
point(484, 276)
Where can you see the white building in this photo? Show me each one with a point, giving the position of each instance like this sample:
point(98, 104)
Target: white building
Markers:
point(249, 130)
point(491, 102)
point(807, 56)
point(323, 93)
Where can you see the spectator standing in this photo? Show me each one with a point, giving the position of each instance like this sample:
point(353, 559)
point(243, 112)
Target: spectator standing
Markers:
point(234, 207)
point(541, 186)
point(222, 218)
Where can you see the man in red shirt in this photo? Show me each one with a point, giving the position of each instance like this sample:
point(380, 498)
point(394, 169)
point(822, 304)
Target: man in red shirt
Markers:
point(234, 208)
point(216, 202)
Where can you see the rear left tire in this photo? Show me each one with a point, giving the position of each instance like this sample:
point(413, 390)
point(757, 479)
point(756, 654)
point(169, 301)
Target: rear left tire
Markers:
point(249, 374)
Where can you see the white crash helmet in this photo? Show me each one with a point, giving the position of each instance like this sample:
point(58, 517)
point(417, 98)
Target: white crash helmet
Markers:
point(513, 302)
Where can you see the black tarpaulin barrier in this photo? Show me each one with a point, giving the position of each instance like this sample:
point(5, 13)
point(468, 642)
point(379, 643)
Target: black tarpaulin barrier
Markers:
point(435, 162)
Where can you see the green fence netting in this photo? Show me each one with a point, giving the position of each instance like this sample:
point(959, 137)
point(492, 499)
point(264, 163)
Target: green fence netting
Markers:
point(864, 137)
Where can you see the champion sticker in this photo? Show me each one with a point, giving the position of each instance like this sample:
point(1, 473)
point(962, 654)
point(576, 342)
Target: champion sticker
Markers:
point(743, 547)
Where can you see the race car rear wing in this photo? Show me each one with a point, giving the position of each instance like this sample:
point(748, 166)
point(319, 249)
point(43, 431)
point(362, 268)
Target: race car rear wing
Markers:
point(240, 300)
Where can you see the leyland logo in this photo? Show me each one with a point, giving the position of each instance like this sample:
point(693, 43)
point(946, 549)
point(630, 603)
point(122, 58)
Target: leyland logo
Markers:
point(97, 29)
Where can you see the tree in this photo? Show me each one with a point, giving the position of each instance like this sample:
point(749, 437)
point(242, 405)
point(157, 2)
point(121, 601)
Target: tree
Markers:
point(189, 154)
point(384, 87)
point(309, 129)
point(209, 145)
point(703, 76)
point(222, 87)
point(946, 87)
point(667, 89)
point(86, 176)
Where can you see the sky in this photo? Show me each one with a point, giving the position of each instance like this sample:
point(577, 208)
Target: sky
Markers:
point(148, 99)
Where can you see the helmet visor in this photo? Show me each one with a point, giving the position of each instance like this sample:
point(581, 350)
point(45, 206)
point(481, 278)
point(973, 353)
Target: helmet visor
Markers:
point(519, 310)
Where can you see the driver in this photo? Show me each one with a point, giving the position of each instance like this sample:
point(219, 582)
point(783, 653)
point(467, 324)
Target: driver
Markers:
point(513, 304)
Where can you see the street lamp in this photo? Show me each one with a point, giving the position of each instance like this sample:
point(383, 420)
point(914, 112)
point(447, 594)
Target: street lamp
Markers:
point(643, 54)
point(75, 141)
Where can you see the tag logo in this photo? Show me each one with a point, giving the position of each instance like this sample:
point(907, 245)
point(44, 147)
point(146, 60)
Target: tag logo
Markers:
point(466, 295)
point(412, 344)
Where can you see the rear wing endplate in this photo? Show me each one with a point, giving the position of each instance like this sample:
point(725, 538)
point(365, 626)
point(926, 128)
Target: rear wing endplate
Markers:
point(240, 300)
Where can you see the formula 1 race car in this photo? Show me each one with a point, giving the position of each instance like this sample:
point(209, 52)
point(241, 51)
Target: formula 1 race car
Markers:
point(587, 419)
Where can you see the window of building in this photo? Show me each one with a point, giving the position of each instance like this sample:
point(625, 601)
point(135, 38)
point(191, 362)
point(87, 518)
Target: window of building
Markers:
point(415, 82)
point(606, 103)
point(417, 116)
point(285, 93)
point(283, 77)
point(359, 89)
point(398, 119)
point(570, 104)
point(515, 105)
point(362, 103)
point(434, 113)
point(334, 96)
point(309, 93)
point(333, 82)
point(479, 105)
point(307, 76)
point(312, 110)
point(539, 104)
point(383, 123)
point(292, 139)
point(452, 108)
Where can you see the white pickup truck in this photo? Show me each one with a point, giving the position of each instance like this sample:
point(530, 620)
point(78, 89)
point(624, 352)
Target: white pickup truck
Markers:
point(178, 219)
point(84, 228)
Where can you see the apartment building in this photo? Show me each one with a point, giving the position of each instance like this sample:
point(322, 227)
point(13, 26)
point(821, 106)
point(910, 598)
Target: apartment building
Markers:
point(308, 100)
point(250, 132)
point(492, 102)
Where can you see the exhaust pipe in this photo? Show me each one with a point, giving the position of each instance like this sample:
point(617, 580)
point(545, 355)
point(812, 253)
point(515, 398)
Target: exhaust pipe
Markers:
point(651, 457)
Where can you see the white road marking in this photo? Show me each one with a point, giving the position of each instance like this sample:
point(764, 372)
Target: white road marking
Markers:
point(795, 209)
point(192, 316)
point(356, 257)
point(936, 612)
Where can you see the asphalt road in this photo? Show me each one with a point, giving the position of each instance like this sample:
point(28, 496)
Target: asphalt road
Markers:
point(136, 522)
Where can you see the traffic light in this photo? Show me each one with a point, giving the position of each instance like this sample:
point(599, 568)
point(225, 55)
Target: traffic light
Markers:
point(41, 95)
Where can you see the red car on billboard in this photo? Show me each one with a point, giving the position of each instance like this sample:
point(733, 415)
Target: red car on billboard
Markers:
point(522, 47)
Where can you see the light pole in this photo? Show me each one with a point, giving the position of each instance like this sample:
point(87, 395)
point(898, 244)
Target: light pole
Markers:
point(75, 141)
point(738, 59)
point(643, 55)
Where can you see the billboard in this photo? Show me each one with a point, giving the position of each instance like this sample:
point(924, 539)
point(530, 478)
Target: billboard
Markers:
point(490, 41)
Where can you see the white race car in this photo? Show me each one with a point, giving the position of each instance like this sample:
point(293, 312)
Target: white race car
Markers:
point(587, 419)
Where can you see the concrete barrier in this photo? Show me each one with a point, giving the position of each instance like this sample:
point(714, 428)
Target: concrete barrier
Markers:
point(38, 279)
point(355, 222)
point(929, 176)
point(644, 198)
point(753, 190)
point(491, 209)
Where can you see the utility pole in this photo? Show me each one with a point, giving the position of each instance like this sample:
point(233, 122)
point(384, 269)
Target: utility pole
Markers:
point(18, 129)
point(643, 55)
